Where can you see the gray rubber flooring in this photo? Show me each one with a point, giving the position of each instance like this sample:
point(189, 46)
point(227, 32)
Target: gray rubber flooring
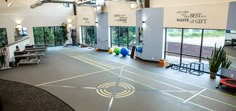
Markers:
point(98, 81)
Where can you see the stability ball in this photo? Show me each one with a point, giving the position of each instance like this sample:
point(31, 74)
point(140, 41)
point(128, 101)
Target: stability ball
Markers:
point(124, 52)
point(139, 49)
point(110, 51)
point(117, 51)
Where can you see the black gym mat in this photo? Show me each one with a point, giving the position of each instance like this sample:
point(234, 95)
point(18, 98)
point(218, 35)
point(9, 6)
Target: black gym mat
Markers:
point(22, 97)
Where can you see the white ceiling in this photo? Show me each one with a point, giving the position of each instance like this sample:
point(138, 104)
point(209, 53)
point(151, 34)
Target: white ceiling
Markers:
point(27, 3)
point(16, 3)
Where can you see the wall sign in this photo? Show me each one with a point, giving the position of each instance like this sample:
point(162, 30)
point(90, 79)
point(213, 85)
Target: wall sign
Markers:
point(86, 20)
point(121, 18)
point(208, 16)
point(192, 18)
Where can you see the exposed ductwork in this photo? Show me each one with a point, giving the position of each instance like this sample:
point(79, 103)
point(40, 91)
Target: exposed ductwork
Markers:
point(78, 2)
point(41, 2)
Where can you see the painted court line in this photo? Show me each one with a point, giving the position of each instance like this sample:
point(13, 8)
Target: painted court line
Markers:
point(115, 89)
point(92, 73)
point(194, 95)
point(200, 106)
point(150, 72)
point(167, 93)
point(179, 91)
point(173, 79)
point(180, 88)
point(155, 80)
point(162, 92)
point(176, 86)
point(90, 63)
point(167, 77)
point(95, 62)
point(218, 101)
point(59, 86)
point(107, 65)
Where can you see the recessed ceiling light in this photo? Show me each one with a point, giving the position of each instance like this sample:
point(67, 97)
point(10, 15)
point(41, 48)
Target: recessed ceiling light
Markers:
point(9, 5)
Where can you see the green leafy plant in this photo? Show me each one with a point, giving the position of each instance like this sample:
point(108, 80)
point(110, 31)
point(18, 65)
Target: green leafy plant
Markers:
point(3, 35)
point(64, 31)
point(226, 62)
point(217, 56)
point(219, 59)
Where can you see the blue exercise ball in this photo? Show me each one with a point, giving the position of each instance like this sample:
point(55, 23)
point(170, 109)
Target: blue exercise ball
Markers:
point(124, 52)
point(139, 49)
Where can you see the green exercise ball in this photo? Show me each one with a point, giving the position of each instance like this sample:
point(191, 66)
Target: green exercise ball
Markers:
point(117, 51)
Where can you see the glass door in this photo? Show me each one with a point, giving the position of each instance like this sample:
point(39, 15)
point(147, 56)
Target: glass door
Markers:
point(51, 35)
point(89, 35)
point(115, 42)
point(122, 36)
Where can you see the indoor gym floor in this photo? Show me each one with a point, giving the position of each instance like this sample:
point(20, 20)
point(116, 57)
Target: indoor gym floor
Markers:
point(97, 81)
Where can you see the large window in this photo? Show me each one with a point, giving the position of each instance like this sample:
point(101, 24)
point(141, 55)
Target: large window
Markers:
point(173, 45)
point(122, 36)
point(52, 36)
point(3, 35)
point(89, 35)
point(192, 45)
point(230, 47)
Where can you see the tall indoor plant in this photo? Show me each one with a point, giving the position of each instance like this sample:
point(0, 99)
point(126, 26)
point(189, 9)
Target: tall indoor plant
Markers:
point(226, 63)
point(215, 61)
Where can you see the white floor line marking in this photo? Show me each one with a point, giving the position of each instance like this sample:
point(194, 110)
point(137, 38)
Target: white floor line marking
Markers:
point(89, 88)
point(156, 80)
point(78, 76)
point(115, 89)
point(194, 95)
point(59, 86)
point(179, 91)
point(218, 101)
point(200, 106)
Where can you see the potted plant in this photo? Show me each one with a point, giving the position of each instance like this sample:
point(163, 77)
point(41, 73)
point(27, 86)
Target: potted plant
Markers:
point(225, 65)
point(215, 61)
point(226, 62)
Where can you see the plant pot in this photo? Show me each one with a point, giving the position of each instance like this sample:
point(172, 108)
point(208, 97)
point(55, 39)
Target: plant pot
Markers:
point(212, 75)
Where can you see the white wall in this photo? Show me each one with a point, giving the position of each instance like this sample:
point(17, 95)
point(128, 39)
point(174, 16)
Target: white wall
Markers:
point(111, 8)
point(45, 15)
point(123, 9)
point(171, 3)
